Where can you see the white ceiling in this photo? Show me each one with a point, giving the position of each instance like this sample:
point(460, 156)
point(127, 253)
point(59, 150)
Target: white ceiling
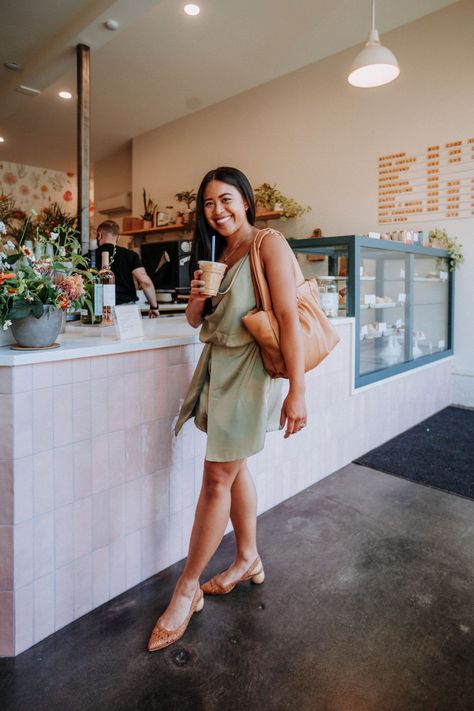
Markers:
point(160, 64)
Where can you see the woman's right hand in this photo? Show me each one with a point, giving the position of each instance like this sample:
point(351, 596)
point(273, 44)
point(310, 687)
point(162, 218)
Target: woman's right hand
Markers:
point(197, 299)
point(197, 285)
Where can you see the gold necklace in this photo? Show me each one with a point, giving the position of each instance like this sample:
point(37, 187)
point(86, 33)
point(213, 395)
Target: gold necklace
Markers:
point(228, 256)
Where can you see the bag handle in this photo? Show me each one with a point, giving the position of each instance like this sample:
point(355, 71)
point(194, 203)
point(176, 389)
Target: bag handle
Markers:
point(260, 284)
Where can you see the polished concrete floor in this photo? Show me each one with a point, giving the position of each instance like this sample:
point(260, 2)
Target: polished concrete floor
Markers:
point(368, 605)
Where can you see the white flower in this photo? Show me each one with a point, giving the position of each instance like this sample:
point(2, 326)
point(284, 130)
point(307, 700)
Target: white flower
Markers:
point(10, 245)
point(62, 251)
point(21, 275)
point(6, 325)
point(28, 297)
point(54, 235)
point(3, 229)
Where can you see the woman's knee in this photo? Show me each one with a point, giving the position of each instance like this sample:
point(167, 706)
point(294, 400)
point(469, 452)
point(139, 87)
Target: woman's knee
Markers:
point(219, 476)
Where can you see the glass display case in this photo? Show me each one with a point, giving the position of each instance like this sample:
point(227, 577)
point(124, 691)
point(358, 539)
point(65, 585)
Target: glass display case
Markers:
point(401, 296)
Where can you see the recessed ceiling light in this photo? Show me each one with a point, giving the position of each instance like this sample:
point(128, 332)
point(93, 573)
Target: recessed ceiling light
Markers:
point(191, 9)
point(65, 94)
point(2, 140)
point(111, 25)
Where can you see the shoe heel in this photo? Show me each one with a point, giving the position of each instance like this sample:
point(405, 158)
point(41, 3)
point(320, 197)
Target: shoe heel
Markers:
point(200, 604)
point(259, 578)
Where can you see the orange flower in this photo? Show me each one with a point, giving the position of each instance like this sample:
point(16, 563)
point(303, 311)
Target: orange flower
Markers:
point(10, 290)
point(44, 188)
point(5, 276)
point(63, 302)
point(67, 196)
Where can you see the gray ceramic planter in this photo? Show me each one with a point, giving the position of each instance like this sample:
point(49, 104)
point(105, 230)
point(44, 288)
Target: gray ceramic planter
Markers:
point(31, 332)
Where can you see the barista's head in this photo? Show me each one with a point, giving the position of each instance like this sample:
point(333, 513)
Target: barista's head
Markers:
point(107, 232)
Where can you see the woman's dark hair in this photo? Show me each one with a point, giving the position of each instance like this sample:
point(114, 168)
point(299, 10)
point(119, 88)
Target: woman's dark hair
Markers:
point(201, 248)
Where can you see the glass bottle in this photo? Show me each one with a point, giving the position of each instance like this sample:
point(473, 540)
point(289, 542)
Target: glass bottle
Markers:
point(93, 289)
point(107, 279)
point(328, 296)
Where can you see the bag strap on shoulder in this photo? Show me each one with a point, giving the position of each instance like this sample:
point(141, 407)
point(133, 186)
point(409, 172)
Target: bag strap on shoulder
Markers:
point(262, 292)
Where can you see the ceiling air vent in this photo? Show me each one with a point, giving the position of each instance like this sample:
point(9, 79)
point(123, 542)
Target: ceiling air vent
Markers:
point(114, 204)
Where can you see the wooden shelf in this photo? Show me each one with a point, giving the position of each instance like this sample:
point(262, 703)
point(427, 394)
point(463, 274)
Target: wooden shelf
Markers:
point(260, 217)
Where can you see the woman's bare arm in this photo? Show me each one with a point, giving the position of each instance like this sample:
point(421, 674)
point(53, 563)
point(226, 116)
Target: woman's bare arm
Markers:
point(281, 281)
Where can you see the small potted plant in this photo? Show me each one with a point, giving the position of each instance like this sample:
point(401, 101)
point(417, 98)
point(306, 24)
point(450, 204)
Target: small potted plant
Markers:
point(440, 238)
point(268, 197)
point(149, 209)
point(189, 199)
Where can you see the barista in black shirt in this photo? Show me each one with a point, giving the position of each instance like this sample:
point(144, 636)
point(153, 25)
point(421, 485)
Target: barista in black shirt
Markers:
point(126, 266)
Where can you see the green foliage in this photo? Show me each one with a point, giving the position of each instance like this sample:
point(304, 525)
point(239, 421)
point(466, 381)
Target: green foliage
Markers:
point(439, 237)
point(187, 196)
point(269, 197)
point(149, 207)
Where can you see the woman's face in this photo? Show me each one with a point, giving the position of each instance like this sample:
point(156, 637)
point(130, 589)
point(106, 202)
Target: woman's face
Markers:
point(224, 208)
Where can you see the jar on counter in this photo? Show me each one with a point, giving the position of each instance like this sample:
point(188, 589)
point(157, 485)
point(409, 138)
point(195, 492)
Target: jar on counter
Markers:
point(328, 295)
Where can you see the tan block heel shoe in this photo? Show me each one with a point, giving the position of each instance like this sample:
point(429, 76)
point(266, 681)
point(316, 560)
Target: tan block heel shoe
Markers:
point(161, 637)
point(255, 573)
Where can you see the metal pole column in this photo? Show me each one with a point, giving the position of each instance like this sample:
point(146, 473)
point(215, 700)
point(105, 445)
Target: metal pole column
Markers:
point(83, 143)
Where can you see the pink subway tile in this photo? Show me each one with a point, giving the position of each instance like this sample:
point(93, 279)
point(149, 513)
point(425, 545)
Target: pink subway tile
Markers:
point(148, 393)
point(99, 367)
point(117, 512)
point(42, 419)
point(99, 406)
point(63, 475)
point(6, 557)
point(100, 576)
point(82, 527)
point(133, 559)
point(147, 502)
point(7, 625)
point(114, 365)
point(132, 398)
point(82, 469)
point(24, 632)
point(62, 372)
point(100, 463)
point(148, 551)
point(64, 535)
point(42, 375)
point(116, 403)
point(81, 370)
point(117, 457)
point(6, 491)
point(117, 568)
point(132, 362)
point(22, 378)
point(100, 520)
point(81, 410)
point(64, 596)
point(6, 379)
point(133, 453)
point(132, 506)
point(43, 538)
point(43, 482)
point(82, 585)
point(63, 414)
point(23, 488)
point(43, 606)
point(23, 553)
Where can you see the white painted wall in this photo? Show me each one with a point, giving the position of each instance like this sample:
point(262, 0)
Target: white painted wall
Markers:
point(319, 139)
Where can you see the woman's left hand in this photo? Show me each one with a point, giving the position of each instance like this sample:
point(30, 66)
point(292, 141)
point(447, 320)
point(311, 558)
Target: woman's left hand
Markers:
point(293, 413)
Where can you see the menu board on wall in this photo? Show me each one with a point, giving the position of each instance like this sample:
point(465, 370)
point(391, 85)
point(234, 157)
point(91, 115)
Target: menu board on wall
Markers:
point(435, 184)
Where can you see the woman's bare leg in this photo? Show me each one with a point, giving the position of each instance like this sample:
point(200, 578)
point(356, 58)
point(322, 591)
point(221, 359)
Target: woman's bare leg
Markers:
point(243, 514)
point(210, 521)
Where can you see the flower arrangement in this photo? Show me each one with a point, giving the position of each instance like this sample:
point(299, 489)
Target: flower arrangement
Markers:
point(269, 197)
point(45, 272)
point(439, 237)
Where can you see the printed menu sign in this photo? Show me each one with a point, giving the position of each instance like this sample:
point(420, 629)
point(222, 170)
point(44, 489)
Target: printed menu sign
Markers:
point(435, 184)
point(128, 322)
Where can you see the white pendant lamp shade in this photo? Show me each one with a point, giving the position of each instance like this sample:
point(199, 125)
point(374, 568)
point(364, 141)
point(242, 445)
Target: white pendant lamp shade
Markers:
point(375, 65)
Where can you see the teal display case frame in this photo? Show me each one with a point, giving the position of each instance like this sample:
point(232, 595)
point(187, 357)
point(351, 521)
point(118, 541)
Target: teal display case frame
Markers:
point(330, 247)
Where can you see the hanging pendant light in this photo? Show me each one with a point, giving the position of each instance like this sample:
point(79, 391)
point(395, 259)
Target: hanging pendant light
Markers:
point(375, 65)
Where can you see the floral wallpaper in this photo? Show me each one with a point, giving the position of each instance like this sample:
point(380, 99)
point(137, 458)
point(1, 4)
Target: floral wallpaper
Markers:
point(38, 187)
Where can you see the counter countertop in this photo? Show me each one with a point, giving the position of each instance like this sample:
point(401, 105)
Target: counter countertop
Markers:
point(86, 341)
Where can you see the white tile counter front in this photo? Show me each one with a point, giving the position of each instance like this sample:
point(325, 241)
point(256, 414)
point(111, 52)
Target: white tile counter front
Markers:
point(96, 494)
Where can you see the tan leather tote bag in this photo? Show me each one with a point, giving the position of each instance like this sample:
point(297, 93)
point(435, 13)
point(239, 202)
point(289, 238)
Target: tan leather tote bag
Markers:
point(319, 336)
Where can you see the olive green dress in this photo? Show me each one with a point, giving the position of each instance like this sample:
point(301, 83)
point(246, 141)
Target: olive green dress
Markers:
point(231, 396)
